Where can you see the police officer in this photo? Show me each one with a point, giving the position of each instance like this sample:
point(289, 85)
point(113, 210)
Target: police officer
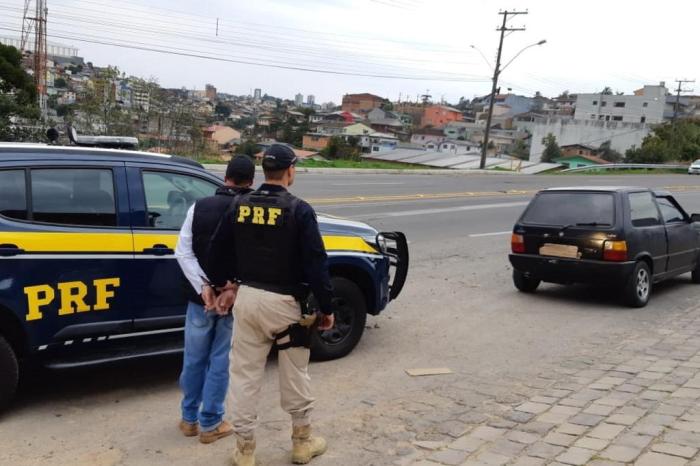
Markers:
point(204, 378)
point(270, 242)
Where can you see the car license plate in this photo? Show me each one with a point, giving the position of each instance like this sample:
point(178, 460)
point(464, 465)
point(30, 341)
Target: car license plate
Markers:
point(560, 250)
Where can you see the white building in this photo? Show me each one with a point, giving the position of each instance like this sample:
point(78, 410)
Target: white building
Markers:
point(647, 105)
point(257, 94)
point(299, 100)
point(310, 100)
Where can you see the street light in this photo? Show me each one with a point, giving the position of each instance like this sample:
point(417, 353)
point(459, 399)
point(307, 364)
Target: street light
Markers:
point(496, 74)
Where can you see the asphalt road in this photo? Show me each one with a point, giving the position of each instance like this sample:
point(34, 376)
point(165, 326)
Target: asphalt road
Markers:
point(458, 310)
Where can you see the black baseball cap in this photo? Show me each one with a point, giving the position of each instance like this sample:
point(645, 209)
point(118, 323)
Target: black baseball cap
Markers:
point(278, 157)
point(240, 167)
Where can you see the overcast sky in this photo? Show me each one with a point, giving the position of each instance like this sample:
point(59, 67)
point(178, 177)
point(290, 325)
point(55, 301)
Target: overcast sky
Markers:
point(590, 44)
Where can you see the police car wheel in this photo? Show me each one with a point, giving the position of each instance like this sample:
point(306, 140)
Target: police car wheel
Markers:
point(350, 319)
point(9, 373)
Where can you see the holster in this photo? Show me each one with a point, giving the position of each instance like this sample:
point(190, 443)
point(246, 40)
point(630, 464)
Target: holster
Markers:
point(299, 334)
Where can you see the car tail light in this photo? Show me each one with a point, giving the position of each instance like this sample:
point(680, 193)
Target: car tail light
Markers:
point(517, 243)
point(615, 251)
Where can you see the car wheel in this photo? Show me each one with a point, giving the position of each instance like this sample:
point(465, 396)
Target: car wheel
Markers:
point(525, 283)
point(638, 288)
point(695, 275)
point(350, 318)
point(9, 373)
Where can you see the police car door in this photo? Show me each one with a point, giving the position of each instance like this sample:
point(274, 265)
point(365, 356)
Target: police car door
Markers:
point(66, 245)
point(161, 197)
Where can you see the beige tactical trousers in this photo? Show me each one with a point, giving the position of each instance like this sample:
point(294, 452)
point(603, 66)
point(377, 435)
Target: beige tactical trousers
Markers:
point(258, 316)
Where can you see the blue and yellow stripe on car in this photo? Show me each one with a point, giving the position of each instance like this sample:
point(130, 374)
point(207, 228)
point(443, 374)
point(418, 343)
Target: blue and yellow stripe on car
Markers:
point(126, 243)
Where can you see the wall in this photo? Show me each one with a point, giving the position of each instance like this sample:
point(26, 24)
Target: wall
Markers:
point(438, 116)
point(602, 107)
point(622, 136)
point(315, 142)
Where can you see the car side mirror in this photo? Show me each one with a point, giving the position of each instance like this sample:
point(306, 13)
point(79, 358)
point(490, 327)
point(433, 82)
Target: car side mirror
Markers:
point(695, 218)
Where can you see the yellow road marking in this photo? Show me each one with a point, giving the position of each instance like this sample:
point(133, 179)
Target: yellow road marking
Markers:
point(454, 195)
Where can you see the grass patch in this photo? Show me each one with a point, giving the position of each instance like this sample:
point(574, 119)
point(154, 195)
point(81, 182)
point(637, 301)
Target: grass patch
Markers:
point(367, 164)
point(625, 171)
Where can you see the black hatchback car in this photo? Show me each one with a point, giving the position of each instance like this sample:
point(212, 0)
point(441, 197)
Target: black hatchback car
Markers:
point(627, 237)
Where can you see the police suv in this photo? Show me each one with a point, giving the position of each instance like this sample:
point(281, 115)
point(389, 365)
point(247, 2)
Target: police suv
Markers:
point(87, 267)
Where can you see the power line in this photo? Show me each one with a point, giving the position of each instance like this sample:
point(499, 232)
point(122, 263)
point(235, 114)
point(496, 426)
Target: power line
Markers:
point(253, 63)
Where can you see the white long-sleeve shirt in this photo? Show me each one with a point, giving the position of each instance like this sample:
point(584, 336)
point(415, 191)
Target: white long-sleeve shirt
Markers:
point(185, 255)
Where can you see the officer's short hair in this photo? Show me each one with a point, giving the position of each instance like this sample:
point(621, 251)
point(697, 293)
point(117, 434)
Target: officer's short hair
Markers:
point(240, 169)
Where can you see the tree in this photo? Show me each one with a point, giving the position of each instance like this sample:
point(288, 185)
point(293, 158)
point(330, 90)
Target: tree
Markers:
point(222, 110)
point(677, 141)
point(606, 91)
point(60, 83)
point(609, 154)
point(551, 149)
point(17, 91)
point(249, 147)
point(338, 148)
point(520, 150)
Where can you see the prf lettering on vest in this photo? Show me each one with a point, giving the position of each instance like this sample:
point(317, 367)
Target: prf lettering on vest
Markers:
point(258, 215)
point(72, 297)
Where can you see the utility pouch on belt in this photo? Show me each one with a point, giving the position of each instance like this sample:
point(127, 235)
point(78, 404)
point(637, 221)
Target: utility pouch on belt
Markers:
point(293, 336)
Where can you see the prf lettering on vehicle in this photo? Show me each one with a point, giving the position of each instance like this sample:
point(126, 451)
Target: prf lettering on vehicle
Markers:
point(259, 215)
point(71, 295)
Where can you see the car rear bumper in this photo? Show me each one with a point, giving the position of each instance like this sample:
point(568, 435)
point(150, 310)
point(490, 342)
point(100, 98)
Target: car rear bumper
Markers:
point(560, 270)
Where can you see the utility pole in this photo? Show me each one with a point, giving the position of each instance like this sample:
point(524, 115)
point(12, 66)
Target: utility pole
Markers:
point(496, 71)
point(678, 95)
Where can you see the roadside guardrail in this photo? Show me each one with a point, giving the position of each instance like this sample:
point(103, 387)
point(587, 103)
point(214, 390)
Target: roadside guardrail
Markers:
point(622, 166)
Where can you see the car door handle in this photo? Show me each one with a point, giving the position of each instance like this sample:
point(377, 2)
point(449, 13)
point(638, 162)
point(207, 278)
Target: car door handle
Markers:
point(8, 250)
point(159, 250)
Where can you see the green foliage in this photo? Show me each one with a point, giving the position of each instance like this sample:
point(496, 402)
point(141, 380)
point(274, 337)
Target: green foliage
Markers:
point(222, 110)
point(338, 148)
point(520, 150)
point(243, 123)
point(17, 91)
point(609, 154)
point(669, 142)
point(248, 147)
point(607, 91)
point(551, 149)
point(60, 83)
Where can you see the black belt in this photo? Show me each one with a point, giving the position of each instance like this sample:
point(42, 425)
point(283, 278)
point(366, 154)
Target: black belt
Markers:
point(294, 291)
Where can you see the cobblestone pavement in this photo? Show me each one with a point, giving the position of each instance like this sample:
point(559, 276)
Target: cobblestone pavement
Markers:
point(638, 404)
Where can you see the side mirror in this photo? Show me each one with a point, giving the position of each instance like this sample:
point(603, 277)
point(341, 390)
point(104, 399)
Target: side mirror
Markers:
point(695, 218)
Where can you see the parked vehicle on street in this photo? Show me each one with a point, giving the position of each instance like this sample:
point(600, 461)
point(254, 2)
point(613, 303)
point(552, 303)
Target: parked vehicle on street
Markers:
point(626, 238)
point(694, 168)
point(87, 267)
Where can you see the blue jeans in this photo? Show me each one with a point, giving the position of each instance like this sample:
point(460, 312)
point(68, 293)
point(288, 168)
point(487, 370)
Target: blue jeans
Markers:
point(204, 378)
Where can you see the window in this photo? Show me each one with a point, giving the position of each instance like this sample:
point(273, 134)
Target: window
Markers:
point(82, 196)
point(595, 102)
point(643, 211)
point(620, 104)
point(645, 104)
point(170, 195)
point(670, 212)
point(643, 119)
point(592, 116)
point(603, 104)
point(617, 118)
point(569, 208)
point(13, 194)
point(607, 117)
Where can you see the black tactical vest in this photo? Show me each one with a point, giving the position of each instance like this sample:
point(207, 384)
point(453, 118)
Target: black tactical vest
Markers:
point(267, 241)
point(207, 214)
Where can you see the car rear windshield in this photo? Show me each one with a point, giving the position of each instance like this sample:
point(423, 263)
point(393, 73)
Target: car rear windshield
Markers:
point(571, 208)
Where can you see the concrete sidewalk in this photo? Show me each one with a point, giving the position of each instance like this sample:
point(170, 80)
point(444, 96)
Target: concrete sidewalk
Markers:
point(637, 405)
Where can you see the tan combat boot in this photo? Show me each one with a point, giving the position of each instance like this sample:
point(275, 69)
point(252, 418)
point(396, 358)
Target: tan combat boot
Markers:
point(244, 455)
point(306, 447)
